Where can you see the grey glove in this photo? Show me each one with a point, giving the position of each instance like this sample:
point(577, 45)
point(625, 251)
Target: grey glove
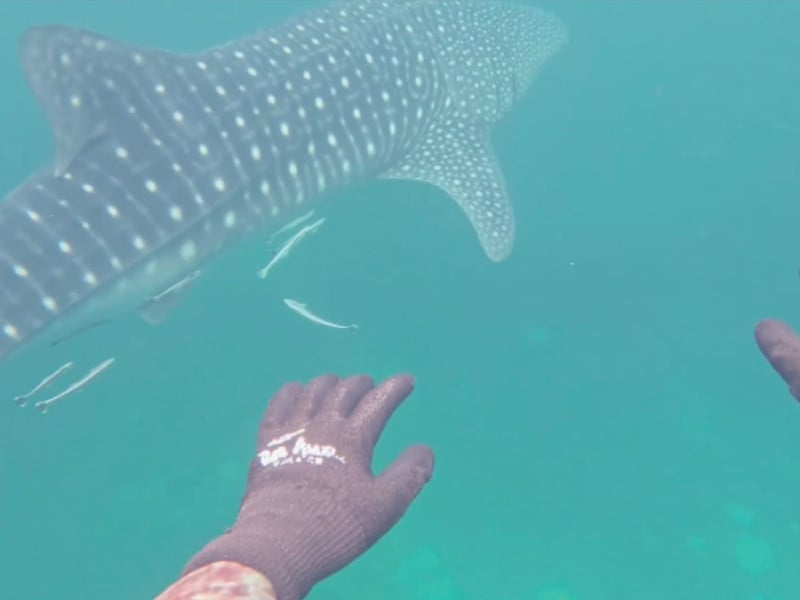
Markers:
point(781, 346)
point(312, 504)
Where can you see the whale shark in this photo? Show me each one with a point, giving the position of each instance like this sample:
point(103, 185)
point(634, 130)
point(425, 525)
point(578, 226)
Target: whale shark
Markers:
point(162, 160)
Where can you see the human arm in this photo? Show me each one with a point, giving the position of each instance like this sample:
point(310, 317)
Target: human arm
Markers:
point(312, 504)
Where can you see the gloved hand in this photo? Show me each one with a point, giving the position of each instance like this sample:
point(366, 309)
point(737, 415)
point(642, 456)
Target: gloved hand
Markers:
point(781, 346)
point(312, 504)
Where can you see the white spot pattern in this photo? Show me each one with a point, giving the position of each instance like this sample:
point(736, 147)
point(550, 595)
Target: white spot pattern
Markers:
point(372, 86)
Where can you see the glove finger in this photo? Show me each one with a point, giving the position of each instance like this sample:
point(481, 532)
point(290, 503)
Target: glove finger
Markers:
point(402, 481)
point(370, 415)
point(781, 346)
point(310, 400)
point(347, 394)
point(280, 408)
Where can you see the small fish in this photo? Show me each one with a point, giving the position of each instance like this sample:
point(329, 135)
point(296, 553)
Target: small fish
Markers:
point(23, 399)
point(302, 310)
point(291, 225)
point(290, 243)
point(43, 405)
point(159, 307)
point(176, 287)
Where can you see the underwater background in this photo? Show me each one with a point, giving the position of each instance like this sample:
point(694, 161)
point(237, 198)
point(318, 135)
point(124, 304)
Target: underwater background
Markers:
point(603, 423)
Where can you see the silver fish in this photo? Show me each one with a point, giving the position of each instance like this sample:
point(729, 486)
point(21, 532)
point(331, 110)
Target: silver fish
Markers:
point(302, 309)
point(44, 383)
point(44, 405)
point(287, 247)
point(291, 225)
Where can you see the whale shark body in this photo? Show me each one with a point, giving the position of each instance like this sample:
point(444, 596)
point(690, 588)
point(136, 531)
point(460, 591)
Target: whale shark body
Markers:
point(162, 160)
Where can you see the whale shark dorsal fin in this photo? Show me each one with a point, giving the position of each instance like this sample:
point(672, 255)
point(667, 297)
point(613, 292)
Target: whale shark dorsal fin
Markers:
point(72, 74)
point(458, 158)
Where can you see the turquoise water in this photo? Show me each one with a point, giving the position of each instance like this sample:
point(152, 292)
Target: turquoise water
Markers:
point(603, 423)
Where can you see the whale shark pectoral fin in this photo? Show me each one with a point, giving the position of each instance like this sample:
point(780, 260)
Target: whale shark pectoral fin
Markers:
point(460, 161)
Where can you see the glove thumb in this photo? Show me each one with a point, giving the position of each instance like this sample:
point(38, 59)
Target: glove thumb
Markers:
point(403, 480)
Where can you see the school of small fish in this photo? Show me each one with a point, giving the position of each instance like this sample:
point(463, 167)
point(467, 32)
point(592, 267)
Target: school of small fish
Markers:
point(295, 305)
point(43, 405)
